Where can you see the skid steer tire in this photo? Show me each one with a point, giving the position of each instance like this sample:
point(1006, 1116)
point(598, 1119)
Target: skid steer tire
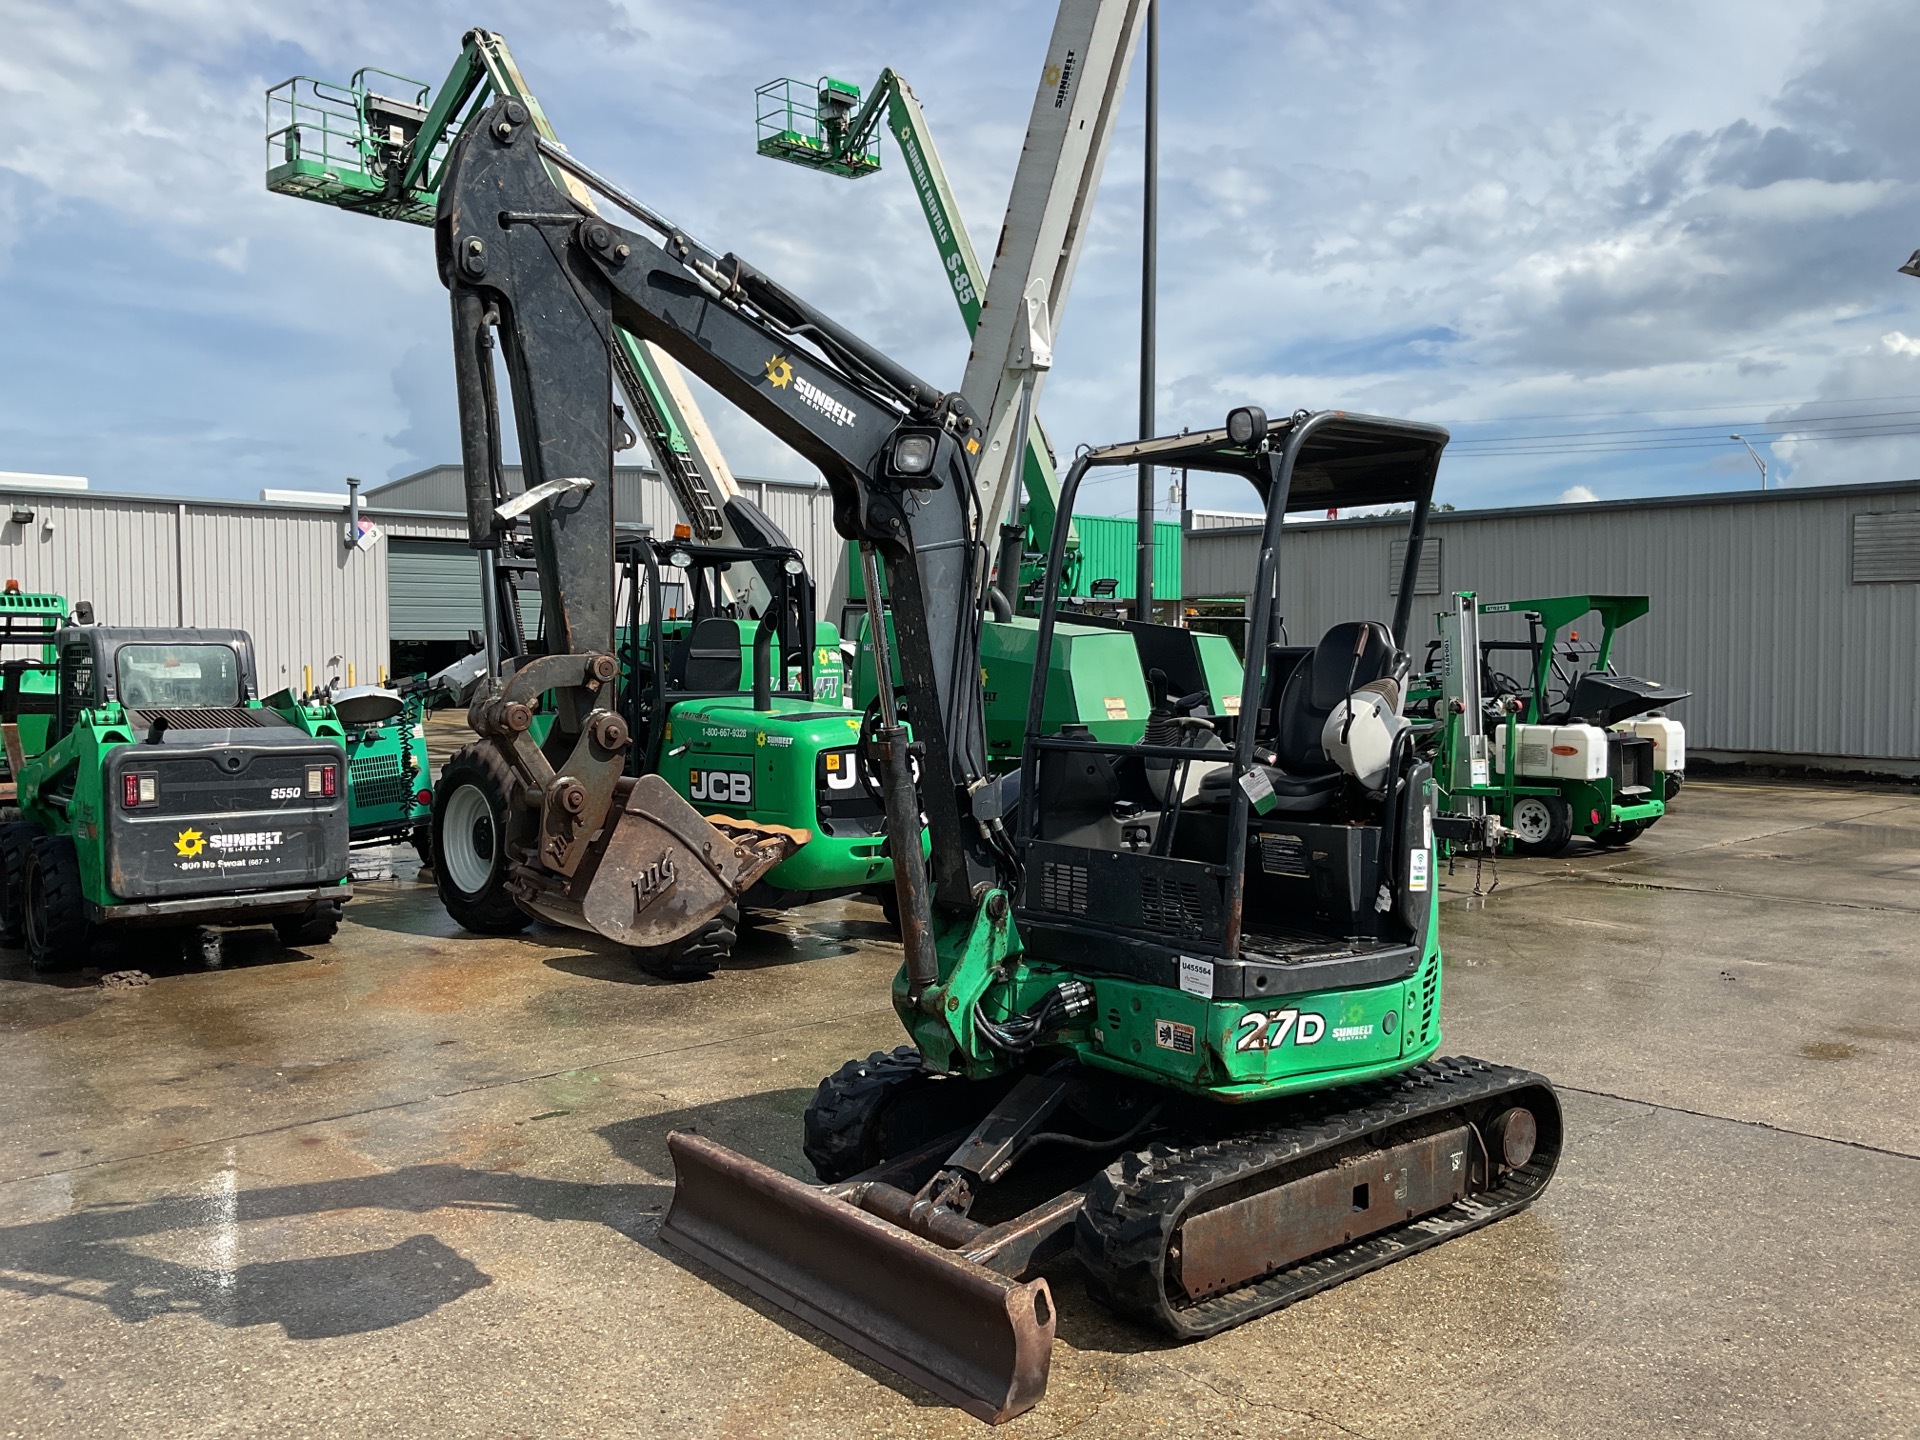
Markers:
point(313, 926)
point(698, 955)
point(470, 807)
point(874, 1109)
point(1542, 825)
point(16, 842)
point(55, 908)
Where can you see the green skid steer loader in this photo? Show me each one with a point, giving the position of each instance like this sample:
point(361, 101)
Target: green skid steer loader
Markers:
point(167, 795)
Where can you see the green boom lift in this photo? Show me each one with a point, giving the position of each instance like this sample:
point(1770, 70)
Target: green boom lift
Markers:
point(826, 126)
point(1097, 679)
point(379, 146)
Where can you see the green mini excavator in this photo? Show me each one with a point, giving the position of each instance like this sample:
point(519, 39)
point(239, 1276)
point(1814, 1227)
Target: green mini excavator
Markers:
point(1174, 1003)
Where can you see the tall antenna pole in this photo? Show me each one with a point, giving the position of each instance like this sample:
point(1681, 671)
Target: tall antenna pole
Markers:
point(1149, 256)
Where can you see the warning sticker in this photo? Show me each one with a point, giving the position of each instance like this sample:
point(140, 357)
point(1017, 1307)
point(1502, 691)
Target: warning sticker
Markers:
point(1116, 707)
point(1232, 702)
point(1196, 976)
point(1172, 1035)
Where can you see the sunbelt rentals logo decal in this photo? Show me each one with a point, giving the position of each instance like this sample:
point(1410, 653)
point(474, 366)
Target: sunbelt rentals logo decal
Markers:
point(780, 375)
point(239, 850)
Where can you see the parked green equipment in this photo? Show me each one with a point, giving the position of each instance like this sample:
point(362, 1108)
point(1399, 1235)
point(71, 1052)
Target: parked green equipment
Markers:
point(743, 717)
point(169, 794)
point(28, 624)
point(389, 783)
point(1528, 756)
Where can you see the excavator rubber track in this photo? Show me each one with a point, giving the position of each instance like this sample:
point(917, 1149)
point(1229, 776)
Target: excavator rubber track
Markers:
point(1155, 1217)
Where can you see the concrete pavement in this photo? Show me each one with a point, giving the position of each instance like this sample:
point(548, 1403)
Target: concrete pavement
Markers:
point(410, 1182)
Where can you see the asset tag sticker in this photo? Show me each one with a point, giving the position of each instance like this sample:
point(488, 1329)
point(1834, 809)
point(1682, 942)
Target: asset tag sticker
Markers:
point(1172, 1035)
point(1196, 976)
point(1417, 871)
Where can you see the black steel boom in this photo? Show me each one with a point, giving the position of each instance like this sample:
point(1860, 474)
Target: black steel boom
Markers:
point(523, 260)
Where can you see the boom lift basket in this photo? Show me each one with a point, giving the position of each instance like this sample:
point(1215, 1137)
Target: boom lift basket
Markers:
point(807, 124)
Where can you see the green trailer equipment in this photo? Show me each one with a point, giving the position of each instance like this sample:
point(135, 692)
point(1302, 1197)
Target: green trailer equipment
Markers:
point(389, 779)
point(168, 794)
point(1529, 755)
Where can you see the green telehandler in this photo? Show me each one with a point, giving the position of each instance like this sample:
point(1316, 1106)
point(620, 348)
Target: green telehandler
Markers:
point(167, 795)
point(741, 715)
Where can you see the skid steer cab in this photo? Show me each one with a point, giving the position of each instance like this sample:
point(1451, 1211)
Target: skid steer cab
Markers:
point(169, 796)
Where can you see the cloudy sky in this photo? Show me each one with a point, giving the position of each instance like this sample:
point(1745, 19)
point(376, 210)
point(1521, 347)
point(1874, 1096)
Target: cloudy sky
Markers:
point(1592, 240)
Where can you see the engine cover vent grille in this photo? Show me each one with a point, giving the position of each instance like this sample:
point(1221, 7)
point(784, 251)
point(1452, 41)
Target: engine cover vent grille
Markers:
point(1173, 907)
point(1063, 888)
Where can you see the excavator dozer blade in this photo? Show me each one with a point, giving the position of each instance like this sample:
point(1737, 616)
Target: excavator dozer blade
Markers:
point(969, 1335)
point(663, 870)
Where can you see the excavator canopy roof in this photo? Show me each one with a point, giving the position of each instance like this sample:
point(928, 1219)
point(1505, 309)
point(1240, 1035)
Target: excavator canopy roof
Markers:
point(1345, 460)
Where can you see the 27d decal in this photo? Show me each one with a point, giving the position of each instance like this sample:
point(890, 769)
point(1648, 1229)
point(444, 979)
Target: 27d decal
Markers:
point(1268, 1030)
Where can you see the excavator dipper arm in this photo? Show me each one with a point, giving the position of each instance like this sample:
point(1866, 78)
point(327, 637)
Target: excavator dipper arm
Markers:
point(523, 260)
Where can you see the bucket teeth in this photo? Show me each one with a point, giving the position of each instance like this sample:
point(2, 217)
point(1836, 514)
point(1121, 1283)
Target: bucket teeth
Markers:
point(968, 1334)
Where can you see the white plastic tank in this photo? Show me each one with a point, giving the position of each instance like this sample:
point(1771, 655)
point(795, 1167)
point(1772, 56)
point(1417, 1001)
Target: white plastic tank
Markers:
point(1669, 739)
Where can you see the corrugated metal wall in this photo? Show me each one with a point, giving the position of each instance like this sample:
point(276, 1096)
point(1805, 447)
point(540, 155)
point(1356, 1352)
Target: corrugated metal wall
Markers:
point(1753, 607)
point(278, 572)
point(803, 511)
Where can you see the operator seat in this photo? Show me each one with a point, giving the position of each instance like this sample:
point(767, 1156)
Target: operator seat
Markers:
point(709, 661)
point(1306, 778)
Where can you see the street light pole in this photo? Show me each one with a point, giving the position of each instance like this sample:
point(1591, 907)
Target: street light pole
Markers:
point(1756, 458)
point(1149, 264)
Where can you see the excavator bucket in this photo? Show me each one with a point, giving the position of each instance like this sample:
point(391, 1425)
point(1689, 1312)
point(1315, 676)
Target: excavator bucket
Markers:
point(968, 1334)
point(663, 869)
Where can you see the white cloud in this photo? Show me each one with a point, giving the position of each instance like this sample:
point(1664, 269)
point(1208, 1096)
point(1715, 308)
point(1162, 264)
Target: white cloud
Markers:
point(1564, 211)
point(1577, 495)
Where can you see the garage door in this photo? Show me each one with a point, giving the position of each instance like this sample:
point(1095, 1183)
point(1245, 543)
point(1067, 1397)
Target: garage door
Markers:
point(433, 592)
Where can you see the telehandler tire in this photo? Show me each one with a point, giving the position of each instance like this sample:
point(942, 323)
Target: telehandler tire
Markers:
point(888, 900)
point(55, 908)
point(470, 806)
point(698, 955)
point(1542, 825)
point(314, 926)
point(16, 842)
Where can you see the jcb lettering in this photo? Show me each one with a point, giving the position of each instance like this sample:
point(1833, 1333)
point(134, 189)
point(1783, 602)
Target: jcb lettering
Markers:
point(1269, 1029)
point(721, 787)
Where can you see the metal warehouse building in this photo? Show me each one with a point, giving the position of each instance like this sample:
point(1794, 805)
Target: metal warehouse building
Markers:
point(281, 570)
point(1792, 615)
